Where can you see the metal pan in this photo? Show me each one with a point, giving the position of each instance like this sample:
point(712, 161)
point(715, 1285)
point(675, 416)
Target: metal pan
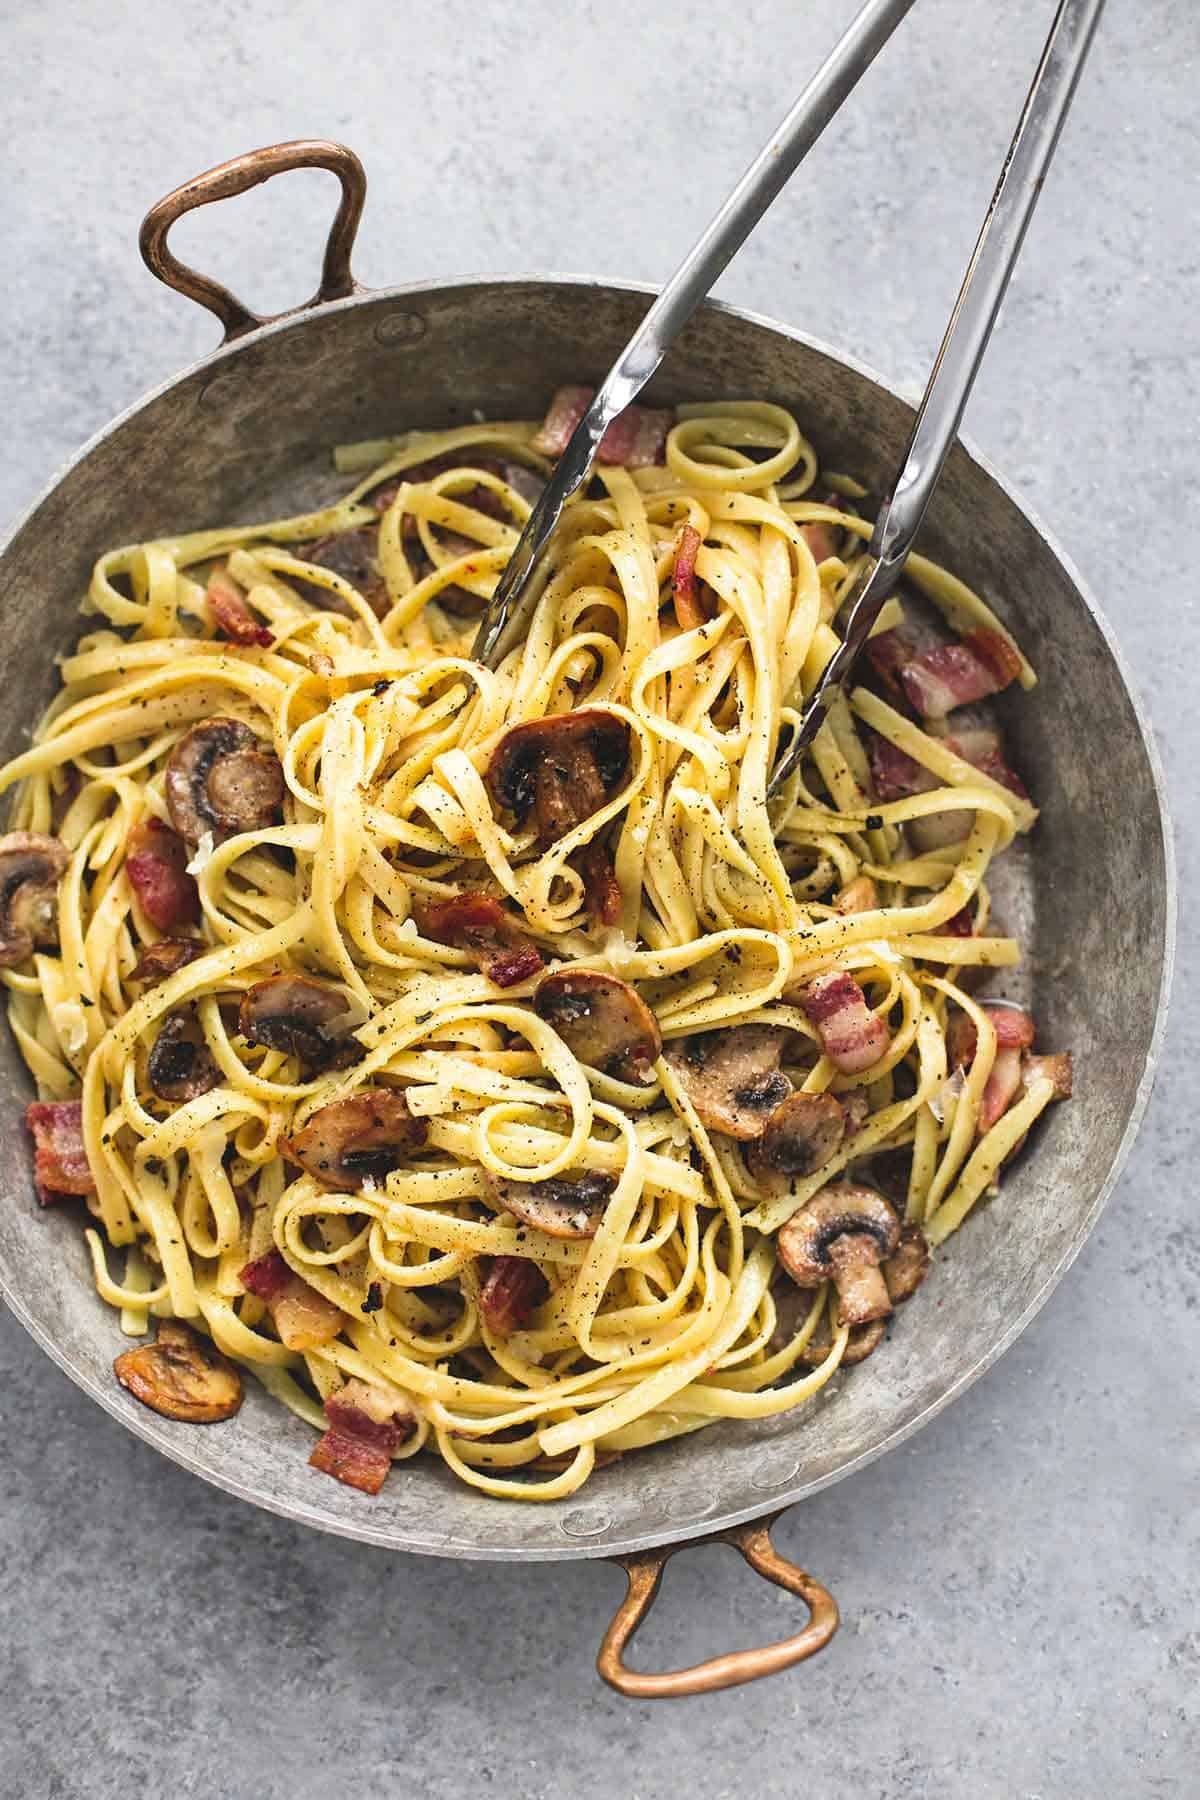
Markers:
point(246, 435)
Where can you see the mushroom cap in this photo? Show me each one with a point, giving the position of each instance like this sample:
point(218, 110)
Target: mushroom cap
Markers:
point(801, 1135)
point(222, 778)
point(562, 1207)
point(602, 1020)
point(588, 748)
point(165, 958)
point(732, 1076)
point(907, 1267)
point(179, 1066)
point(181, 1376)
point(361, 1138)
point(31, 867)
point(304, 1018)
point(840, 1209)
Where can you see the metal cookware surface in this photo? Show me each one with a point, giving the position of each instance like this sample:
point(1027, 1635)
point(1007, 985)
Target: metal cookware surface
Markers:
point(246, 435)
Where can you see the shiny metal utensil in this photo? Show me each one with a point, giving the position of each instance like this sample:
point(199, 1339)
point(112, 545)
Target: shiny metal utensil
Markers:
point(517, 590)
point(941, 410)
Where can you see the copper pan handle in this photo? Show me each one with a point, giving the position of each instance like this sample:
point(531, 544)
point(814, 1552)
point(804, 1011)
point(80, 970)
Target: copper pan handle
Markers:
point(236, 177)
point(645, 1572)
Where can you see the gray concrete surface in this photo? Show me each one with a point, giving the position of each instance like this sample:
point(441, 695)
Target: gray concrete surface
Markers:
point(1019, 1584)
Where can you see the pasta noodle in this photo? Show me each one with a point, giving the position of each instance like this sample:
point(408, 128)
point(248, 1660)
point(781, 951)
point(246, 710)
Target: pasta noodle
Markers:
point(353, 690)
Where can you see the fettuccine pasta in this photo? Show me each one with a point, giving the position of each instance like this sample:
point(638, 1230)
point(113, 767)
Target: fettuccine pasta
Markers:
point(480, 1059)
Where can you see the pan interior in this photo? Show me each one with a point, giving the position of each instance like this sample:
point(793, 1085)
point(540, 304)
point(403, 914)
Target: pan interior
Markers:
point(246, 436)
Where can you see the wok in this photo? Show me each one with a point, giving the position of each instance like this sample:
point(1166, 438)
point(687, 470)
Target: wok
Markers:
point(246, 435)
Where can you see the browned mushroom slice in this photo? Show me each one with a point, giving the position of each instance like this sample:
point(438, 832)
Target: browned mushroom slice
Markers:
point(906, 1270)
point(560, 1207)
point(179, 1066)
point(845, 1232)
point(602, 1020)
point(859, 895)
point(223, 779)
point(732, 1077)
point(859, 1345)
point(167, 957)
point(352, 555)
point(303, 1018)
point(181, 1376)
point(360, 1139)
point(562, 768)
point(801, 1134)
point(31, 867)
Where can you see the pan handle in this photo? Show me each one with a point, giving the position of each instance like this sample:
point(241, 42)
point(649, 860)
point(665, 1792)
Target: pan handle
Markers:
point(645, 1572)
point(236, 177)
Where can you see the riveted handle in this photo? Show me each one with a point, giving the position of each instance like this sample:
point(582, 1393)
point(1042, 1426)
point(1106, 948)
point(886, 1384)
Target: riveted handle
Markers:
point(236, 177)
point(645, 1572)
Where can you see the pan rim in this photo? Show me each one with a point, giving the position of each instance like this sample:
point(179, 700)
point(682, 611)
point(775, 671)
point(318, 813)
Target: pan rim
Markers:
point(788, 1494)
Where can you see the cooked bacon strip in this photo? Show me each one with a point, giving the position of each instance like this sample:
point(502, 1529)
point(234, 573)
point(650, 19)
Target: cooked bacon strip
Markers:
point(60, 1164)
point(961, 924)
point(478, 923)
point(852, 1036)
point(512, 1290)
point(636, 437)
point(956, 674)
point(688, 609)
point(303, 1317)
point(822, 536)
point(230, 613)
point(367, 1425)
point(1012, 1024)
point(600, 883)
point(894, 774)
point(1001, 1089)
point(156, 864)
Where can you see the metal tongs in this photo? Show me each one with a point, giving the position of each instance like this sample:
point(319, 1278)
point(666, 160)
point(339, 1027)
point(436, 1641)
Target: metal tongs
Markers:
point(950, 382)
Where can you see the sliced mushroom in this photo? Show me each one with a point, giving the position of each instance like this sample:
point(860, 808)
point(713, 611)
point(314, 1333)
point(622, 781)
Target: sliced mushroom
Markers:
point(862, 1341)
point(167, 957)
point(560, 1207)
point(181, 1376)
point(303, 1018)
point(31, 867)
point(859, 895)
point(801, 1135)
point(354, 556)
point(223, 779)
point(845, 1232)
point(602, 1020)
point(906, 1270)
point(732, 1077)
point(359, 1139)
point(601, 889)
point(179, 1066)
point(563, 768)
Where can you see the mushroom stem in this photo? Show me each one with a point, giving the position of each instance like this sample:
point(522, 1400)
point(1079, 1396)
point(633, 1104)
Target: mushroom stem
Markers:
point(862, 1290)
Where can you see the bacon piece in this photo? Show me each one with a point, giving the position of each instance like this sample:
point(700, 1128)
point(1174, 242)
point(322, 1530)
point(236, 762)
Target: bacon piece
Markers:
point(156, 864)
point(822, 536)
point(997, 652)
point(954, 675)
point(636, 438)
point(852, 1036)
point(961, 924)
point(60, 1164)
point(478, 923)
point(230, 612)
point(367, 1425)
point(1012, 1024)
point(600, 883)
point(512, 1289)
point(1001, 1089)
point(887, 653)
point(688, 609)
point(894, 774)
point(1057, 1068)
point(303, 1317)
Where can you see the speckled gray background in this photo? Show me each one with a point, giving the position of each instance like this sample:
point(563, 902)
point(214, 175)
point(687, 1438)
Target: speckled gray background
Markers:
point(1019, 1584)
